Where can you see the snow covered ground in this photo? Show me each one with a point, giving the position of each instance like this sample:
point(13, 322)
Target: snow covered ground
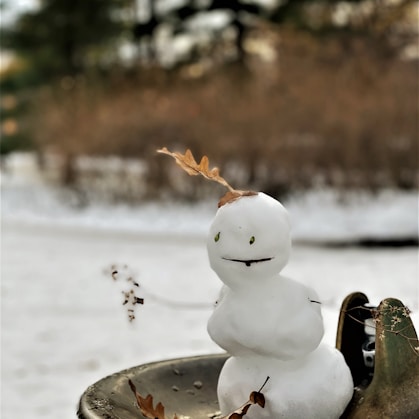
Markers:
point(63, 323)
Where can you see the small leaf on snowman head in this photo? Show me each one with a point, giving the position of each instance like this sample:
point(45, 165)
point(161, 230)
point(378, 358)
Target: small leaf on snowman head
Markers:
point(232, 196)
point(217, 237)
point(188, 163)
point(252, 240)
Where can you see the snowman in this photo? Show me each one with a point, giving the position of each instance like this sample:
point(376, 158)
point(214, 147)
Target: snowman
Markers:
point(269, 324)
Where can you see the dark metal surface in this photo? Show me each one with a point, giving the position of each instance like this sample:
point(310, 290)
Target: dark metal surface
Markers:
point(350, 335)
point(185, 386)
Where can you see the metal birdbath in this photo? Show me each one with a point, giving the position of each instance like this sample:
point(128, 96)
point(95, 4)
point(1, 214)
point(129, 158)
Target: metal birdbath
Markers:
point(384, 366)
point(185, 386)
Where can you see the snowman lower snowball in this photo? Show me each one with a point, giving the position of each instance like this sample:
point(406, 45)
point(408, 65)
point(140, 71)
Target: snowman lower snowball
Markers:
point(269, 324)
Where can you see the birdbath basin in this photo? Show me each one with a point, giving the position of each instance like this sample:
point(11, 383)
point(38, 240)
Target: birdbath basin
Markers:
point(186, 386)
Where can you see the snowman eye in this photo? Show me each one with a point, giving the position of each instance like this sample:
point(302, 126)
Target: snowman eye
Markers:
point(217, 237)
point(252, 240)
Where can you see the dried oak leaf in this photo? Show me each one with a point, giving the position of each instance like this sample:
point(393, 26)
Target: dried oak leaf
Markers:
point(232, 196)
point(256, 397)
point(146, 405)
point(188, 163)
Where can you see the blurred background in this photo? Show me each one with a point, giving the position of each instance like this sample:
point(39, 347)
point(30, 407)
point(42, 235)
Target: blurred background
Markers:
point(282, 95)
point(314, 102)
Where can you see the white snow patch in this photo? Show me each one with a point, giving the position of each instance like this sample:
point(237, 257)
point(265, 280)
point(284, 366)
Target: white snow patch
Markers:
point(327, 215)
point(321, 215)
point(63, 323)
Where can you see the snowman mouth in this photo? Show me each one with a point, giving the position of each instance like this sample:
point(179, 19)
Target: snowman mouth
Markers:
point(248, 262)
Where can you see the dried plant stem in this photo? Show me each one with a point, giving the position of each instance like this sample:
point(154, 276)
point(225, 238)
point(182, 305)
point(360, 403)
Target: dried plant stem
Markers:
point(386, 328)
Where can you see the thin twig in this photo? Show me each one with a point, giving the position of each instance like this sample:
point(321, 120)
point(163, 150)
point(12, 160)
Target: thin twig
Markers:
point(387, 328)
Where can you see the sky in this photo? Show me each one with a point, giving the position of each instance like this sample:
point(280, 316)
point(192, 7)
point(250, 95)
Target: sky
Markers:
point(14, 7)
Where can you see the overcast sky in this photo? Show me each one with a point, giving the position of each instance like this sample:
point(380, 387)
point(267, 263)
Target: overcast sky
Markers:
point(14, 7)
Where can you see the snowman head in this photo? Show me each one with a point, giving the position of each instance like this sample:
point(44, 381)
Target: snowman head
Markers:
point(249, 240)
point(250, 236)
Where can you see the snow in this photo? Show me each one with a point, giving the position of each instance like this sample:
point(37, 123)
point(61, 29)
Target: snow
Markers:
point(328, 216)
point(319, 216)
point(63, 323)
point(270, 324)
point(215, 20)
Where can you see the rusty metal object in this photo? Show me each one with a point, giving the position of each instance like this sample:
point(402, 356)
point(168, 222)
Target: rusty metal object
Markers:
point(394, 390)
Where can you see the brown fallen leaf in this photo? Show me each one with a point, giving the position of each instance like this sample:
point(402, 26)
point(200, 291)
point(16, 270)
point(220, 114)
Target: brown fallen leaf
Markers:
point(255, 398)
point(150, 412)
point(188, 163)
point(146, 405)
point(232, 196)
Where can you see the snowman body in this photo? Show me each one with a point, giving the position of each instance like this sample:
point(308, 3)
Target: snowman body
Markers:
point(316, 386)
point(276, 319)
point(271, 325)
